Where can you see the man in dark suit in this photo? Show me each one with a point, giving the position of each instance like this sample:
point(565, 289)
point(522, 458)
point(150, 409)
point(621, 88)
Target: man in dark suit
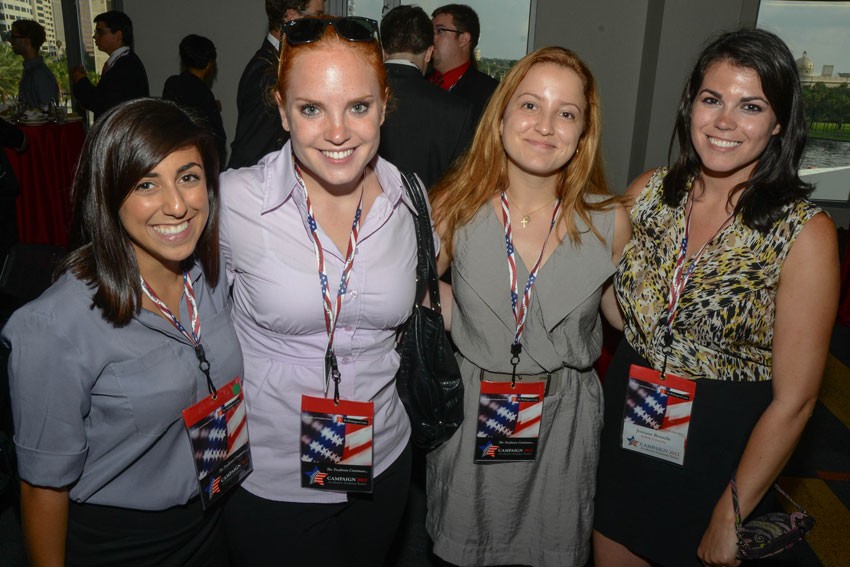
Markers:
point(123, 76)
point(456, 32)
point(258, 126)
point(191, 88)
point(426, 128)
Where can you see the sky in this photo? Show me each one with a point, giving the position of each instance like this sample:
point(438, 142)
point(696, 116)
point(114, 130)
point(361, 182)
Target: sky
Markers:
point(822, 29)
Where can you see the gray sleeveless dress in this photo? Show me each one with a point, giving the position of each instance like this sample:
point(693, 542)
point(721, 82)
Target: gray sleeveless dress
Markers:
point(538, 513)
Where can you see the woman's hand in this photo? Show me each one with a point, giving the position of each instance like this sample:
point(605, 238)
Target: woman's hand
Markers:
point(719, 545)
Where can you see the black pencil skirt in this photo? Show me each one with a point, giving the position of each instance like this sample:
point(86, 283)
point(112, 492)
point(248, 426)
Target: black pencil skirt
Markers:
point(181, 535)
point(660, 510)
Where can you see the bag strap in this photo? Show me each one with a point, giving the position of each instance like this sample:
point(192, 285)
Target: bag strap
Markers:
point(426, 269)
point(734, 486)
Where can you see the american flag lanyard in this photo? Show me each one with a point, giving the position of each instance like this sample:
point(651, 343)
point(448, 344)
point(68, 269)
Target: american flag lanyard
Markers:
point(520, 307)
point(681, 275)
point(331, 307)
point(193, 335)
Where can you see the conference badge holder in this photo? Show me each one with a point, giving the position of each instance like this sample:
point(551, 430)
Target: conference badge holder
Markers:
point(508, 421)
point(218, 431)
point(336, 444)
point(657, 414)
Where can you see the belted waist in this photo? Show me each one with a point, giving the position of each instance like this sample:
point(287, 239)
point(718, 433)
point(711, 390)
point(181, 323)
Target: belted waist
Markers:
point(552, 379)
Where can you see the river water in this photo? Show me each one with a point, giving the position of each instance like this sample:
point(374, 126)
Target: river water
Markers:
point(826, 153)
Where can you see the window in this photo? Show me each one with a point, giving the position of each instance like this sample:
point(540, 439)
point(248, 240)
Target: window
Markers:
point(817, 34)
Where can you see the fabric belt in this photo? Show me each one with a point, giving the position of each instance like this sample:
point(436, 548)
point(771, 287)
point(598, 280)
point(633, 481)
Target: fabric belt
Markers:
point(552, 379)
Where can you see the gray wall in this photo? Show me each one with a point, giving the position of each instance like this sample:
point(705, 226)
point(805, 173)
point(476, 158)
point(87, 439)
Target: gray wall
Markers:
point(236, 27)
point(639, 50)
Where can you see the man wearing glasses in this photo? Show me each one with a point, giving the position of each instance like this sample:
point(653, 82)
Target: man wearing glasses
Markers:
point(456, 31)
point(38, 84)
point(426, 128)
point(123, 76)
point(258, 127)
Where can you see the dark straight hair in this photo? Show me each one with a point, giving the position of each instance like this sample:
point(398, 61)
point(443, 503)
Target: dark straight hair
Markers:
point(125, 144)
point(775, 181)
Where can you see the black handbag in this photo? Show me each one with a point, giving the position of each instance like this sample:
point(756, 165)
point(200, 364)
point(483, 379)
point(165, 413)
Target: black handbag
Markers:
point(428, 379)
point(770, 534)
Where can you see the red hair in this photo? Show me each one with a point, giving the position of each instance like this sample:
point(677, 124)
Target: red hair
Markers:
point(369, 51)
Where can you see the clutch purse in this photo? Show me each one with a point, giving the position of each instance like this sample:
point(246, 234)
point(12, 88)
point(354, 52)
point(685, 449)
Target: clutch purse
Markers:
point(770, 534)
point(428, 379)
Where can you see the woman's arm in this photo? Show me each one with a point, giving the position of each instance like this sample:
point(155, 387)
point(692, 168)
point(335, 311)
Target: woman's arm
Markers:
point(44, 516)
point(806, 303)
point(622, 234)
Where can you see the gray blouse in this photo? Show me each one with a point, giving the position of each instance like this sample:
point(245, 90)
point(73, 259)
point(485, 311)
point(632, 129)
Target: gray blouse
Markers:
point(98, 408)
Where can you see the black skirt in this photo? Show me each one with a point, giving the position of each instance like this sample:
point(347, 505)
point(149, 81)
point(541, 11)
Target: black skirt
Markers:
point(660, 510)
point(181, 535)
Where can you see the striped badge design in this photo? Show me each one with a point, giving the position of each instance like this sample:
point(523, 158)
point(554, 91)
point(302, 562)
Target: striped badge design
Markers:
point(322, 439)
point(645, 405)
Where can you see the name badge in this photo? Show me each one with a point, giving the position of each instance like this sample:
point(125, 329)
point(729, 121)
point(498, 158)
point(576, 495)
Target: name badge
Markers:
point(657, 414)
point(508, 421)
point(336, 444)
point(218, 431)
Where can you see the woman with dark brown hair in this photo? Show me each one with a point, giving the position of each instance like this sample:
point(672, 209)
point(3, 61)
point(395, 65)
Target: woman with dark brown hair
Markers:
point(99, 374)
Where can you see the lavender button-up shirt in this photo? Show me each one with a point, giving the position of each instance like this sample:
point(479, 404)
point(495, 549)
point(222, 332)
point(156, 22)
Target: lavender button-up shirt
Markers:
point(279, 319)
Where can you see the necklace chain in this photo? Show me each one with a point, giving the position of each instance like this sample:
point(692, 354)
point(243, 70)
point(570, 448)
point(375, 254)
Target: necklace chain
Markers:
point(526, 217)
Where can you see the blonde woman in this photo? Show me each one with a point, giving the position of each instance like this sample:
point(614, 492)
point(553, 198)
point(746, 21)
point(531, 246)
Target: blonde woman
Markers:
point(532, 237)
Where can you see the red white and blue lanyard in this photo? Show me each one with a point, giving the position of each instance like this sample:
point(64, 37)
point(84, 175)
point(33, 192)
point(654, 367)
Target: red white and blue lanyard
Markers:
point(193, 335)
point(520, 306)
point(681, 276)
point(332, 307)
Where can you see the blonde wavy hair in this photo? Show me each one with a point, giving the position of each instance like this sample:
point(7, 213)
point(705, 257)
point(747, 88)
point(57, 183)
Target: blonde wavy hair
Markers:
point(483, 170)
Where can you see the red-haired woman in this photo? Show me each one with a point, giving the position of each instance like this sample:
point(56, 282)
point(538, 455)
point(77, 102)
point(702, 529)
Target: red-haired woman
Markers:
point(320, 248)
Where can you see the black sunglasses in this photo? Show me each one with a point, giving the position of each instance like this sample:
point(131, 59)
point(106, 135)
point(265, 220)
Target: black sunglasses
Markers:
point(308, 30)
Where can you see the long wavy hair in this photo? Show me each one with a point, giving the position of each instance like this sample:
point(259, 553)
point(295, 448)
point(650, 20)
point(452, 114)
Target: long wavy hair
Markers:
point(775, 181)
point(125, 144)
point(483, 170)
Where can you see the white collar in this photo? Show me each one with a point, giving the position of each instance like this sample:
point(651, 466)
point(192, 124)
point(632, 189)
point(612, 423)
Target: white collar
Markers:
point(273, 40)
point(115, 55)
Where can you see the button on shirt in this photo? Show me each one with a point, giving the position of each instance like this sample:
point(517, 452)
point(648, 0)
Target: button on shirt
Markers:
point(280, 321)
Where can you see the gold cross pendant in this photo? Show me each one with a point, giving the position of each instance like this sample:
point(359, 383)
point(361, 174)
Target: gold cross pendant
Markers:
point(525, 220)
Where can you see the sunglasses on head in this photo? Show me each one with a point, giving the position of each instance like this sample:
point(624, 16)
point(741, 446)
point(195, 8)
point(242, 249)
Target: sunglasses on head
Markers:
point(308, 30)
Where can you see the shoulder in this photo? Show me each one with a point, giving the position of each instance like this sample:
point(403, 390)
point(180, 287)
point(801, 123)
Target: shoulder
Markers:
point(642, 182)
point(64, 308)
point(131, 60)
point(482, 78)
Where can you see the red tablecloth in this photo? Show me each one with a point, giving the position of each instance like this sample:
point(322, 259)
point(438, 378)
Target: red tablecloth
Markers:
point(45, 172)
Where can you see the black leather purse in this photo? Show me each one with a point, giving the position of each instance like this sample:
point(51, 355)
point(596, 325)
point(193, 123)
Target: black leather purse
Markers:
point(428, 379)
point(772, 533)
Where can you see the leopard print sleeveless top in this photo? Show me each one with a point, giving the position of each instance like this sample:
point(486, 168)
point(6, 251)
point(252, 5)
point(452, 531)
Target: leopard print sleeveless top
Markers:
point(724, 326)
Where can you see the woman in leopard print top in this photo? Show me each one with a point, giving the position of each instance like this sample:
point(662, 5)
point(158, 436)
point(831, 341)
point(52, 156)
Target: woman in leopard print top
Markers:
point(757, 272)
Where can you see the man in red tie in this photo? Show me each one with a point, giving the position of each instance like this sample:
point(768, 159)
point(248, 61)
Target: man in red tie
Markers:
point(456, 31)
point(123, 77)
